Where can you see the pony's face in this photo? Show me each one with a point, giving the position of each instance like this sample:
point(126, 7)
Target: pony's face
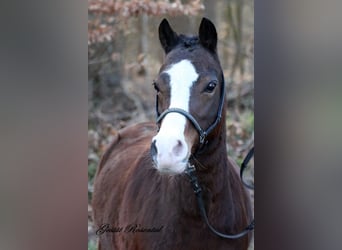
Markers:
point(188, 80)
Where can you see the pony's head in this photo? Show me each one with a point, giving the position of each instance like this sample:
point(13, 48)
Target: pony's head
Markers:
point(190, 96)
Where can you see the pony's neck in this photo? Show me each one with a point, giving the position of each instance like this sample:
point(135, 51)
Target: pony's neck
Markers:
point(211, 163)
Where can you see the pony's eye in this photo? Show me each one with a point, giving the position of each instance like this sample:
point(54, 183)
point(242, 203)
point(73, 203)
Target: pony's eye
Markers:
point(211, 86)
point(155, 86)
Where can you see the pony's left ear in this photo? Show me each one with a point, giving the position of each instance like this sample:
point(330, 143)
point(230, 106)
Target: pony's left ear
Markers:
point(207, 34)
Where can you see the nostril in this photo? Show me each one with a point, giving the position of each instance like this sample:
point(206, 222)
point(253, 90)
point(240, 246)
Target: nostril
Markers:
point(153, 149)
point(178, 148)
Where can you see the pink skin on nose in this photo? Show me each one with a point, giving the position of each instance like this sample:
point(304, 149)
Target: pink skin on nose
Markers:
point(170, 146)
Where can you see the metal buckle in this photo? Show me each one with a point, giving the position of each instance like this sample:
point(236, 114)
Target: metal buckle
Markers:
point(189, 171)
point(202, 137)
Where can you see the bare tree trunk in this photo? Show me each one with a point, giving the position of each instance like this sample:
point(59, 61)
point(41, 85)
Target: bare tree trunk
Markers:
point(235, 18)
point(143, 44)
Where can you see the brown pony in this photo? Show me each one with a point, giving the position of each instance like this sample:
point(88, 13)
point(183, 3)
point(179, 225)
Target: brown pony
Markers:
point(142, 197)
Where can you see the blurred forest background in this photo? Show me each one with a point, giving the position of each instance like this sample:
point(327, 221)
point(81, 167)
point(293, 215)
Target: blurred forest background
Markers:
point(124, 55)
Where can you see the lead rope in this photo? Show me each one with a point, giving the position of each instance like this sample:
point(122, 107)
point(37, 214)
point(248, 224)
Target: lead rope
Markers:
point(244, 165)
point(190, 172)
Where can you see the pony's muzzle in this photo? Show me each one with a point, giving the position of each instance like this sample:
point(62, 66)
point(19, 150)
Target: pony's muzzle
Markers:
point(169, 154)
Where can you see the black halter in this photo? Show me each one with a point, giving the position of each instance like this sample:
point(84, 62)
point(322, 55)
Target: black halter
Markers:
point(202, 133)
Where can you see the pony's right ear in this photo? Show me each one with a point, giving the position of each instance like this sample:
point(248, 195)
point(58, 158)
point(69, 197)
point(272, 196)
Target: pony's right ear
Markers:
point(168, 38)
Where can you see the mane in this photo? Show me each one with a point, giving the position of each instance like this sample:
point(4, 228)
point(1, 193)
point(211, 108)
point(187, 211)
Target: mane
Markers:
point(188, 42)
point(191, 43)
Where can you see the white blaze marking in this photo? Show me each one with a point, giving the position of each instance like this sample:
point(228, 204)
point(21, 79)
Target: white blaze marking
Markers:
point(182, 76)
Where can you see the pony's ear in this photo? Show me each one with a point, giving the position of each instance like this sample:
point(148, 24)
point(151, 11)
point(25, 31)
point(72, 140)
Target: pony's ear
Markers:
point(207, 34)
point(168, 38)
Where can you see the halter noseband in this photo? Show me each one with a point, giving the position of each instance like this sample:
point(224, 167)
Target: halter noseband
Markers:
point(202, 133)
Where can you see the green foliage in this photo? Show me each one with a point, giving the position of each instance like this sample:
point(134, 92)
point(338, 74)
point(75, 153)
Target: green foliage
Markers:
point(247, 120)
point(92, 165)
point(91, 170)
point(92, 245)
point(239, 161)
